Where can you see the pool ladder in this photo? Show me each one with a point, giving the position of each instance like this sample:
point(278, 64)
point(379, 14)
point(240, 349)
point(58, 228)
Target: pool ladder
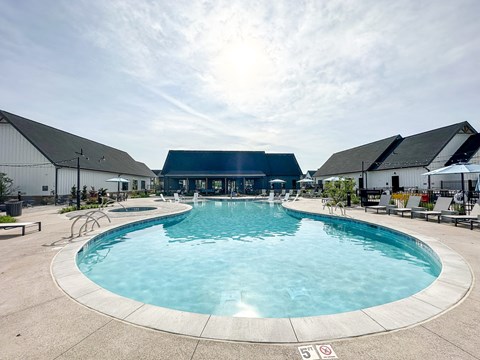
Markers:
point(90, 221)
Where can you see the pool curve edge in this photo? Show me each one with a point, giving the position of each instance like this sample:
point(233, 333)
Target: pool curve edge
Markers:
point(451, 286)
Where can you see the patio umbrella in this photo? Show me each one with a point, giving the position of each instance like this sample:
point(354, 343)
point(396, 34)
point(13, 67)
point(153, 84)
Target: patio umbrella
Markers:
point(457, 169)
point(305, 181)
point(118, 180)
point(477, 187)
point(333, 178)
point(277, 181)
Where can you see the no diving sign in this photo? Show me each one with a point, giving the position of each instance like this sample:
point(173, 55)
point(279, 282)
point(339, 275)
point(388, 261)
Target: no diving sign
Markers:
point(326, 352)
point(308, 352)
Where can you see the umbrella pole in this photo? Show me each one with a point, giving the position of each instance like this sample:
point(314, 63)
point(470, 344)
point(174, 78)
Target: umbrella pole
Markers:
point(463, 195)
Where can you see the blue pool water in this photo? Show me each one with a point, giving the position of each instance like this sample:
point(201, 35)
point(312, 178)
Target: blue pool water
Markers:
point(258, 260)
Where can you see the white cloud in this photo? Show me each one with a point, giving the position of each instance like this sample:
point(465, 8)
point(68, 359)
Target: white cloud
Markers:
point(310, 77)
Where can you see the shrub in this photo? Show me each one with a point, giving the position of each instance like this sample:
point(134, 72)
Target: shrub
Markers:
point(337, 190)
point(74, 208)
point(7, 219)
point(6, 187)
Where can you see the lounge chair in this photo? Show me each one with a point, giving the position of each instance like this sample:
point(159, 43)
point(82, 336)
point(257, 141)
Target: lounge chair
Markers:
point(299, 193)
point(23, 225)
point(382, 205)
point(163, 199)
point(412, 204)
point(442, 204)
point(285, 198)
point(271, 196)
point(473, 222)
point(177, 197)
point(465, 218)
point(195, 197)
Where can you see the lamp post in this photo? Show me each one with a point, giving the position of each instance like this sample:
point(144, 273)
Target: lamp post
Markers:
point(78, 176)
point(78, 183)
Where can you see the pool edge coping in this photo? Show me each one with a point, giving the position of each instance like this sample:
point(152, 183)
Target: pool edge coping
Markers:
point(453, 283)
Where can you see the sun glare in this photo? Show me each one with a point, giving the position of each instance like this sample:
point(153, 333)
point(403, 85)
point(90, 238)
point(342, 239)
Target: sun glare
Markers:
point(241, 67)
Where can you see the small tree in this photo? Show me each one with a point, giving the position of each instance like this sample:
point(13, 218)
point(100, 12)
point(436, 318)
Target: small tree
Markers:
point(337, 190)
point(6, 187)
point(73, 192)
point(84, 193)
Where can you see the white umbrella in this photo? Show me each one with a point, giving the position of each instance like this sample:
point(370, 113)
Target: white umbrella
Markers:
point(333, 178)
point(457, 169)
point(118, 179)
point(305, 181)
point(277, 181)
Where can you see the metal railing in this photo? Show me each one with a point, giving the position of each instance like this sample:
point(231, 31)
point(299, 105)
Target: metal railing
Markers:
point(90, 221)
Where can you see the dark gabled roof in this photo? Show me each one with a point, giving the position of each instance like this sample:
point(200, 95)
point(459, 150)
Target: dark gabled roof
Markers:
point(204, 163)
point(421, 149)
point(60, 147)
point(157, 172)
point(283, 165)
point(465, 152)
point(146, 170)
point(197, 163)
point(350, 161)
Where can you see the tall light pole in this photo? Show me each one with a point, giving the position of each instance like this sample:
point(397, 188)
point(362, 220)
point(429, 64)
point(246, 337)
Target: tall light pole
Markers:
point(78, 176)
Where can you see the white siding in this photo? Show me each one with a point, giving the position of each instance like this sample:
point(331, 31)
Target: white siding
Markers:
point(16, 150)
point(413, 178)
point(38, 172)
point(408, 178)
point(448, 151)
point(68, 177)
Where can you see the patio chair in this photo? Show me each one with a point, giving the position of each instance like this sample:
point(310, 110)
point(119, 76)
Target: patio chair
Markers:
point(7, 226)
point(474, 214)
point(299, 193)
point(442, 204)
point(382, 205)
point(271, 196)
point(286, 197)
point(412, 204)
point(473, 222)
point(177, 197)
point(195, 197)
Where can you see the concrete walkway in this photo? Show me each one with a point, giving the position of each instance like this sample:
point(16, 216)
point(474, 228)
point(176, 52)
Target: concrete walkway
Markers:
point(39, 321)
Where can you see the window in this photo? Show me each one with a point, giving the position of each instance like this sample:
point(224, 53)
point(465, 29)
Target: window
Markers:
point(217, 184)
point(142, 184)
point(200, 184)
point(45, 188)
point(125, 186)
point(135, 185)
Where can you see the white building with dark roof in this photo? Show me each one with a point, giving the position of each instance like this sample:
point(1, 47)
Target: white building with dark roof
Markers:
point(42, 160)
point(398, 163)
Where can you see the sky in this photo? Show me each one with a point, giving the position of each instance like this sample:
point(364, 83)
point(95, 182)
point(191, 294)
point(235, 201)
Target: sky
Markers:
point(305, 77)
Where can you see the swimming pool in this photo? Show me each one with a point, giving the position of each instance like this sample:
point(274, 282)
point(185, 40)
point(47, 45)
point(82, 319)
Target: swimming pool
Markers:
point(257, 260)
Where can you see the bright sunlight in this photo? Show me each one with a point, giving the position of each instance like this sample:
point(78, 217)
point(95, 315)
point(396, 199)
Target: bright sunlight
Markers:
point(241, 69)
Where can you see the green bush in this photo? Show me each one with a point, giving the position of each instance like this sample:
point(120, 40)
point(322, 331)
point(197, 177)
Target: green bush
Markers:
point(74, 208)
point(6, 187)
point(337, 190)
point(7, 219)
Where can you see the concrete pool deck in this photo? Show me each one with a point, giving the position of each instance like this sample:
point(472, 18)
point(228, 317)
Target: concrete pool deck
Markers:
point(37, 319)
